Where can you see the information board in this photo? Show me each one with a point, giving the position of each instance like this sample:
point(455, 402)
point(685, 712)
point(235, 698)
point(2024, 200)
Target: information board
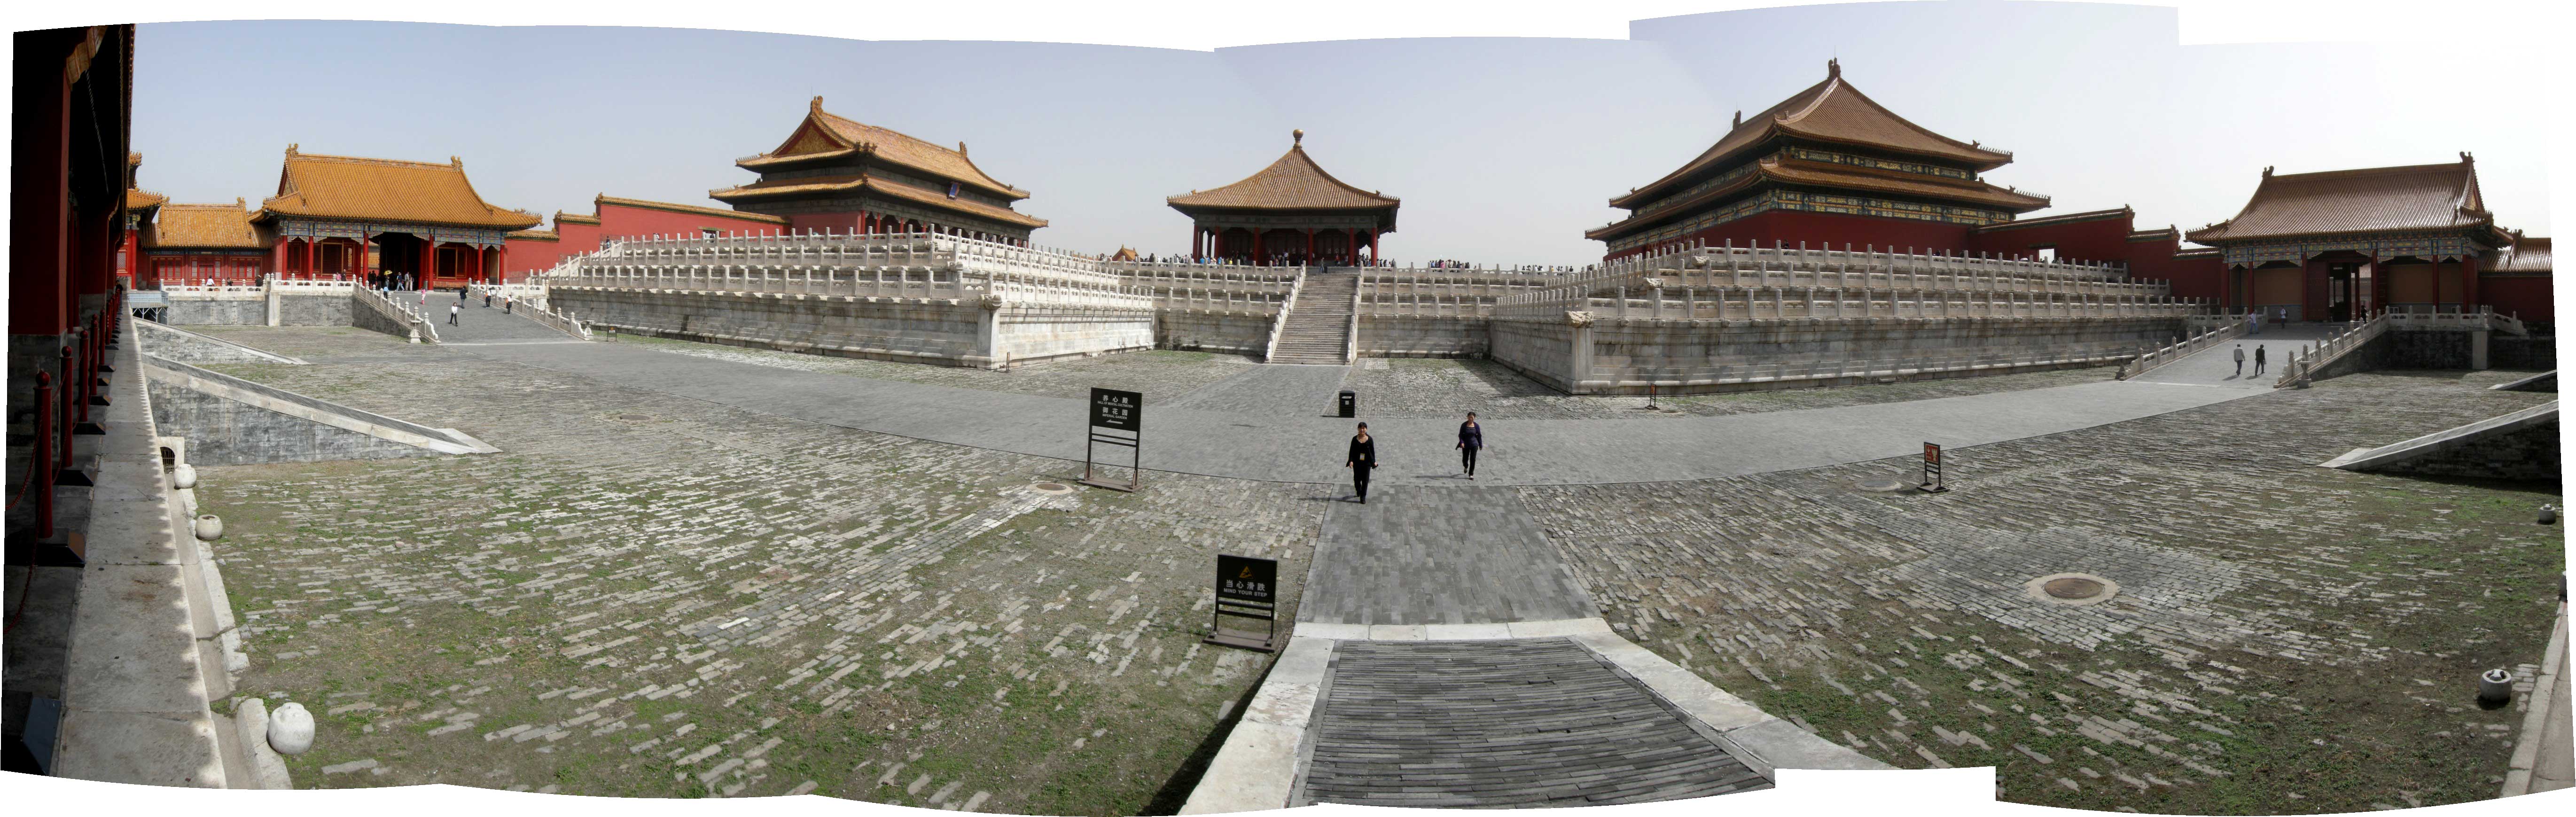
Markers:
point(1246, 587)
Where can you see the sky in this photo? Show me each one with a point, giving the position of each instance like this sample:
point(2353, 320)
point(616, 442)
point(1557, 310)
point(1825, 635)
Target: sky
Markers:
point(1503, 149)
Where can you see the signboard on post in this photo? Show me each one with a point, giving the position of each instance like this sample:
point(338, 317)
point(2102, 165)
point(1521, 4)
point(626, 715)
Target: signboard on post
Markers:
point(1932, 469)
point(1117, 418)
point(1246, 587)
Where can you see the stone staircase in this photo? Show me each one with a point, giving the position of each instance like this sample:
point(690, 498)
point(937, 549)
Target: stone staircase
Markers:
point(1318, 323)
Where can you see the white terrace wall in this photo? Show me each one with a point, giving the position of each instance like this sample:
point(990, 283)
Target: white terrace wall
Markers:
point(943, 332)
point(1583, 355)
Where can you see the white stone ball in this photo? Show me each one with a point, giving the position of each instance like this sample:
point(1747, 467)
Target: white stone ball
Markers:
point(290, 729)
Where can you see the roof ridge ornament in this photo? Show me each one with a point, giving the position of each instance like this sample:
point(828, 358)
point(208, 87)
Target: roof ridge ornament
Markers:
point(2465, 158)
point(1833, 68)
point(816, 105)
point(1739, 117)
point(2267, 171)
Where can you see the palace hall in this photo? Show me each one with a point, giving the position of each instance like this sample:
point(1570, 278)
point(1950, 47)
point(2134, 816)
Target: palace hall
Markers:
point(1291, 212)
point(836, 175)
point(2338, 244)
point(353, 216)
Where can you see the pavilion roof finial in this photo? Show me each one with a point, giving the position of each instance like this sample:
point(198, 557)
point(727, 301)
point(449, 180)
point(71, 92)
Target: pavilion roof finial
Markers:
point(1297, 138)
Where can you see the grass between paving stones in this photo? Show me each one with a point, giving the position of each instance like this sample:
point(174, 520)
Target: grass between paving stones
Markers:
point(548, 618)
point(2337, 675)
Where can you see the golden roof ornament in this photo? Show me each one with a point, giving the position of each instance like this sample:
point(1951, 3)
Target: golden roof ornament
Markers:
point(817, 104)
point(1298, 137)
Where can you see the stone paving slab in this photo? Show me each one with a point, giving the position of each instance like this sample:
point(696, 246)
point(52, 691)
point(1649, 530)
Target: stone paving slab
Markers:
point(1272, 389)
point(1502, 724)
point(1437, 556)
point(1290, 444)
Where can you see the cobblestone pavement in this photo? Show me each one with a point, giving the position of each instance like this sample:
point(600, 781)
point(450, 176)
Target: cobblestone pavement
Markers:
point(2284, 638)
point(648, 595)
point(1268, 390)
point(1161, 374)
point(1292, 444)
point(1502, 724)
point(1438, 556)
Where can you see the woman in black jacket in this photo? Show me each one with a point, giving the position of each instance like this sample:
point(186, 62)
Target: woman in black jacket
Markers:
point(1363, 457)
point(1471, 439)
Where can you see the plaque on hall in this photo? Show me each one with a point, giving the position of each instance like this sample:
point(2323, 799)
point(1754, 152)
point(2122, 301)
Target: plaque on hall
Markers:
point(1246, 587)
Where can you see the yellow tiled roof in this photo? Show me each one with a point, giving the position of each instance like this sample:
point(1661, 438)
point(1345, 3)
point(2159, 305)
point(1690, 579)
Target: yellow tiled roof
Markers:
point(137, 199)
point(824, 133)
point(1829, 111)
point(386, 190)
point(203, 226)
point(758, 190)
point(1294, 182)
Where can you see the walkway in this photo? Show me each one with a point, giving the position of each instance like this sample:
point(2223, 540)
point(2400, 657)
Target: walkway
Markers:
point(1438, 556)
point(1269, 423)
point(2216, 366)
point(1503, 724)
point(476, 325)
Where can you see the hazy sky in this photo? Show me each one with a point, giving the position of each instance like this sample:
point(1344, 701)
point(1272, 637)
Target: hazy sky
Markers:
point(1503, 149)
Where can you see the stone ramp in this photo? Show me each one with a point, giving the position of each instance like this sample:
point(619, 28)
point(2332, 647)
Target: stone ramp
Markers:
point(172, 343)
point(1425, 556)
point(478, 325)
point(1503, 724)
point(2520, 445)
point(2216, 365)
point(231, 421)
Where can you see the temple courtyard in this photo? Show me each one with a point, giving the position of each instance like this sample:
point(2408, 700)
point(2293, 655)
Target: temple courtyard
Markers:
point(700, 570)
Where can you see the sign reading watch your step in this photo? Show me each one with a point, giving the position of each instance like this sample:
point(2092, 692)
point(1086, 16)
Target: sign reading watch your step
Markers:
point(1117, 418)
point(1246, 587)
point(1932, 469)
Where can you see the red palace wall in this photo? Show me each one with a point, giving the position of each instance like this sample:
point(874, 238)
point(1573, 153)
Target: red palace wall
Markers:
point(2103, 239)
point(620, 220)
point(2525, 297)
point(1829, 229)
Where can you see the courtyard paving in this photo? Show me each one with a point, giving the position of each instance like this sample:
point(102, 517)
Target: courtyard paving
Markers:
point(655, 591)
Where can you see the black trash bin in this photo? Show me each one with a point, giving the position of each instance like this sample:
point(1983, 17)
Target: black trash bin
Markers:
point(1350, 403)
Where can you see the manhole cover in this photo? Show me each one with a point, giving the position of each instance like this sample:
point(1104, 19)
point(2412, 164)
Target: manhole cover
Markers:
point(1882, 485)
point(2073, 588)
point(1053, 488)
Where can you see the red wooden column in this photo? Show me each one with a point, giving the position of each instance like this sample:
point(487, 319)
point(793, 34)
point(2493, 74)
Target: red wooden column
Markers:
point(502, 259)
point(1372, 245)
point(428, 263)
point(277, 263)
point(2468, 283)
point(1310, 245)
point(1257, 258)
point(359, 268)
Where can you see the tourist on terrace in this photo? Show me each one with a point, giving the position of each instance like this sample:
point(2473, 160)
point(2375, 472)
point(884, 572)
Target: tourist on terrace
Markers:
point(2240, 361)
point(452, 312)
point(2258, 360)
point(1362, 459)
point(1471, 439)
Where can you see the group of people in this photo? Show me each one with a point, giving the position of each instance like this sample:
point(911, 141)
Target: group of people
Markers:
point(453, 310)
point(2240, 359)
point(1363, 454)
point(2254, 319)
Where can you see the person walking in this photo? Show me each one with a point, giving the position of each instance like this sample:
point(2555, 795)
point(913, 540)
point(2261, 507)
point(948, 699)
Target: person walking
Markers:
point(1471, 439)
point(2240, 360)
point(451, 314)
point(1363, 457)
point(2258, 359)
point(487, 299)
point(508, 305)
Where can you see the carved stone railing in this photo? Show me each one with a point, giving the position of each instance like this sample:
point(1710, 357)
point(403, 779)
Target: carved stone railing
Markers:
point(1778, 303)
point(2300, 369)
point(1279, 321)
